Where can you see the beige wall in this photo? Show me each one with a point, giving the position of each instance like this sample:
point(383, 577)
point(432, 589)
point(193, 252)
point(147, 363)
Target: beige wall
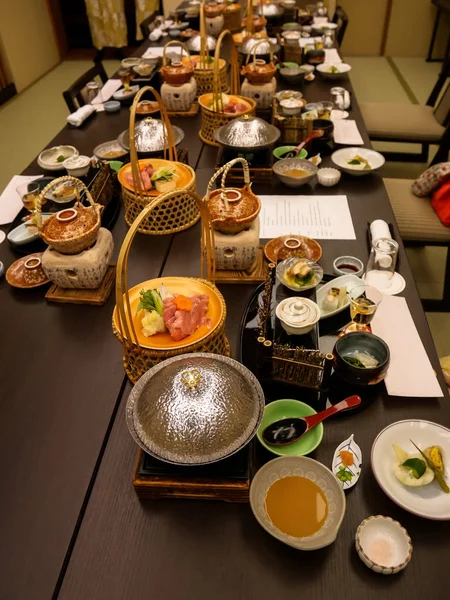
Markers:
point(27, 40)
point(365, 27)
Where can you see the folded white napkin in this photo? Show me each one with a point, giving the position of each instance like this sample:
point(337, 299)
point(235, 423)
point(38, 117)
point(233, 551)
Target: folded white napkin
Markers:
point(347, 132)
point(110, 88)
point(80, 115)
point(332, 56)
point(10, 201)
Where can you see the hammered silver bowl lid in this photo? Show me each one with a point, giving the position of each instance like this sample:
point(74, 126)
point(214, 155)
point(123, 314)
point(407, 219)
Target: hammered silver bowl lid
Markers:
point(195, 409)
point(263, 48)
point(269, 10)
point(150, 136)
point(195, 42)
point(247, 132)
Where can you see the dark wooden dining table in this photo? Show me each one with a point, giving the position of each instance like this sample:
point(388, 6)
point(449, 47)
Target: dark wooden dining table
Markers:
point(71, 524)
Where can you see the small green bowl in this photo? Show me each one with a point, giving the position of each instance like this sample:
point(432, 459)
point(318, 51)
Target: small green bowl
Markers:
point(290, 65)
point(282, 409)
point(283, 149)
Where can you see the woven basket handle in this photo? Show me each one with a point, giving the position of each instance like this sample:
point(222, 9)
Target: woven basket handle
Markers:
point(224, 170)
point(235, 85)
point(207, 260)
point(249, 14)
point(169, 145)
point(182, 47)
point(253, 51)
point(55, 182)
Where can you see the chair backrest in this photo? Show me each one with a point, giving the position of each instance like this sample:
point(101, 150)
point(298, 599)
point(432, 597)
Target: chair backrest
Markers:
point(75, 96)
point(148, 24)
point(341, 20)
point(442, 109)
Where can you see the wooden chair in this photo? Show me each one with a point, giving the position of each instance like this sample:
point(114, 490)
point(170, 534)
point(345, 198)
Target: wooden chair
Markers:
point(341, 19)
point(412, 123)
point(419, 225)
point(148, 24)
point(75, 96)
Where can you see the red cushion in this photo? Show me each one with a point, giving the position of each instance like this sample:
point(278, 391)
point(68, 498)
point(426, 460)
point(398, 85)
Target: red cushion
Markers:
point(431, 179)
point(441, 203)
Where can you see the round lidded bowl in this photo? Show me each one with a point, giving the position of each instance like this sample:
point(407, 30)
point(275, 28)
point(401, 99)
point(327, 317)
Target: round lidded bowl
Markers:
point(298, 315)
point(270, 9)
point(195, 43)
point(299, 466)
point(283, 276)
point(247, 133)
point(264, 48)
point(150, 136)
point(195, 409)
point(233, 210)
point(72, 230)
point(177, 72)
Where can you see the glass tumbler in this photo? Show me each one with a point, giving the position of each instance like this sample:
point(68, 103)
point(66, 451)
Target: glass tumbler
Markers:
point(381, 264)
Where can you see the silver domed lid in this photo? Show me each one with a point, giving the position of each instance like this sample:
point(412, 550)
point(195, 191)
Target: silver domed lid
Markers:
point(269, 10)
point(195, 409)
point(264, 46)
point(247, 133)
point(195, 43)
point(150, 136)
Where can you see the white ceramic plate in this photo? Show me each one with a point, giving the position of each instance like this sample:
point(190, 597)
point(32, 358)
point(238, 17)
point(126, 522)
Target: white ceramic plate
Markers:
point(340, 158)
point(429, 501)
point(48, 159)
point(121, 95)
point(350, 281)
point(22, 234)
point(343, 69)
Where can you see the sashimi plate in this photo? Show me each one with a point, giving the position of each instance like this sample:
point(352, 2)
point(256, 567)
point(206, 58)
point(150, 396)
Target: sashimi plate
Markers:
point(178, 285)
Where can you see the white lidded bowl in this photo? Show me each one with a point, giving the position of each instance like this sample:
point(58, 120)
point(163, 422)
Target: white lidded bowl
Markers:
point(340, 158)
point(301, 466)
point(344, 69)
point(383, 545)
point(77, 166)
point(328, 177)
point(298, 315)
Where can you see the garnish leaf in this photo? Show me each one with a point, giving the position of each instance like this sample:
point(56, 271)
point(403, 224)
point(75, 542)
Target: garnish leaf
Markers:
point(150, 300)
point(416, 466)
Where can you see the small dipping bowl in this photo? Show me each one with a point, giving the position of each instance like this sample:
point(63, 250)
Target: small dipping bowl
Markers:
point(286, 264)
point(298, 315)
point(283, 409)
point(294, 75)
point(315, 57)
point(112, 106)
point(174, 33)
point(282, 150)
point(77, 166)
point(383, 544)
point(287, 164)
point(286, 94)
point(328, 177)
point(361, 342)
point(342, 265)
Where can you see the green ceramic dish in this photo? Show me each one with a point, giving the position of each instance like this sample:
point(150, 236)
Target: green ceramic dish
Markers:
point(278, 152)
point(281, 409)
point(290, 65)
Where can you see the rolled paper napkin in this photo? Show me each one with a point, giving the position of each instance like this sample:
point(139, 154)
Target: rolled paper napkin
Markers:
point(79, 116)
point(155, 34)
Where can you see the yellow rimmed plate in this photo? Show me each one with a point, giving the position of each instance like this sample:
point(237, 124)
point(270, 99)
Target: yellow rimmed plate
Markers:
point(178, 285)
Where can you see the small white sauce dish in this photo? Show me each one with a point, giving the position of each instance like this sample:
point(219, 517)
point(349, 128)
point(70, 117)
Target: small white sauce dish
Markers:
point(328, 177)
point(342, 261)
point(77, 166)
point(298, 315)
point(383, 545)
point(112, 106)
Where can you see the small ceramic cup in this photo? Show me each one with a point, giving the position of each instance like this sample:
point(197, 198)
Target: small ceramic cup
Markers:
point(112, 106)
point(33, 272)
point(341, 262)
point(383, 545)
point(328, 177)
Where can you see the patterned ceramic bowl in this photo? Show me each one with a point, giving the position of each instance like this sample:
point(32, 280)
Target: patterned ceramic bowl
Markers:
point(301, 466)
point(383, 545)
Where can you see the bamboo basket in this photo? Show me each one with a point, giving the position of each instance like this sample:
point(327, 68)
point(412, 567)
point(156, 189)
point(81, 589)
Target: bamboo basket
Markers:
point(214, 117)
point(136, 359)
point(180, 211)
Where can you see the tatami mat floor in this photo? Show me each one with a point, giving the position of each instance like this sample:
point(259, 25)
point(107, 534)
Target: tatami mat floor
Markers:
point(34, 117)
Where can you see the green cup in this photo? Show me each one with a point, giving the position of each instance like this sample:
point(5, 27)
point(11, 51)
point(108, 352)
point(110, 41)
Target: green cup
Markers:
point(278, 152)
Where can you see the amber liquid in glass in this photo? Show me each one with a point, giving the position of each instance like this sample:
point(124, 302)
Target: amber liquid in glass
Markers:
point(362, 310)
point(30, 201)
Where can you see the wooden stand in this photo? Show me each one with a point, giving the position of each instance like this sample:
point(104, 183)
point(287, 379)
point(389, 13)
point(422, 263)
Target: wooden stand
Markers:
point(227, 480)
point(256, 274)
point(96, 297)
point(260, 166)
point(192, 112)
